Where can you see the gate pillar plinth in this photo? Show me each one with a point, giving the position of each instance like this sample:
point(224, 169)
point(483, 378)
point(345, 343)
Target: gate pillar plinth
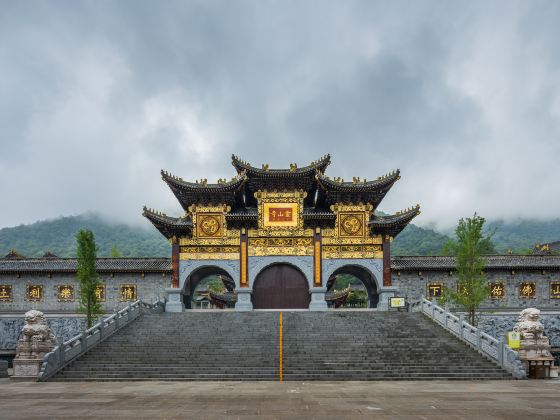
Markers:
point(385, 294)
point(318, 302)
point(244, 299)
point(174, 300)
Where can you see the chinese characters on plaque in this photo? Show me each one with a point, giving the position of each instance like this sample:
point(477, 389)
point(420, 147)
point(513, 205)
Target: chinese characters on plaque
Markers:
point(497, 290)
point(100, 293)
point(555, 290)
point(6, 293)
point(280, 214)
point(34, 292)
point(128, 292)
point(435, 290)
point(65, 293)
point(527, 290)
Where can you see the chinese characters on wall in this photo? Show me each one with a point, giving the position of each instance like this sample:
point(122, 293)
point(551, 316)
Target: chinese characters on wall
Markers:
point(497, 290)
point(6, 293)
point(435, 290)
point(128, 292)
point(65, 293)
point(34, 292)
point(527, 290)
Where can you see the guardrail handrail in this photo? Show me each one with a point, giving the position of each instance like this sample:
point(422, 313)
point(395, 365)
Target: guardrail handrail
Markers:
point(490, 347)
point(67, 351)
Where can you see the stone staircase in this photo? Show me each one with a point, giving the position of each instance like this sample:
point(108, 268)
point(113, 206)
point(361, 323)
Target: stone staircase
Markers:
point(337, 345)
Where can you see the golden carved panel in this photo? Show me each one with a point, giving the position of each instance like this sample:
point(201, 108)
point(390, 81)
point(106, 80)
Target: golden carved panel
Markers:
point(351, 224)
point(352, 251)
point(209, 253)
point(210, 225)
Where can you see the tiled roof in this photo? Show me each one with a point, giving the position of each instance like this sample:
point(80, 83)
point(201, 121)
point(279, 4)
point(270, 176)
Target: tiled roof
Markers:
point(548, 248)
point(69, 265)
point(163, 265)
point(309, 170)
point(493, 262)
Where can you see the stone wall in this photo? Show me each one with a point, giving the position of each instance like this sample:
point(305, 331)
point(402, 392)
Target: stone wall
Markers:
point(64, 327)
point(496, 325)
point(413, 285)
point(149, 286)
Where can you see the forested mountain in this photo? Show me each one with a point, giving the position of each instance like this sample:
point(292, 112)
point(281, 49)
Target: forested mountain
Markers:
point(58, 236)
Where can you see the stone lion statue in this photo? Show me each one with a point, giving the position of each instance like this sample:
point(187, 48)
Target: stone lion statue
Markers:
point(529, 325)
point(36, 327)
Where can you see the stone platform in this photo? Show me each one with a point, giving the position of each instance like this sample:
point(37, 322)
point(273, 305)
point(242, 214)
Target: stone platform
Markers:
point(248, 400)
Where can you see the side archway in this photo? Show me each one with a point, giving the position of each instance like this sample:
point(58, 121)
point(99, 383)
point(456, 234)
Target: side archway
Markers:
point(199, 283)
point(362, 283)
point(280, 286)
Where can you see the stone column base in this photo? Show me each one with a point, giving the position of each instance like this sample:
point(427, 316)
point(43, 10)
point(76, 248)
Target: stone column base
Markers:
point(174, 300)
point(244, 299)
point(385, 293)
point(26, 369)
point(318, 302)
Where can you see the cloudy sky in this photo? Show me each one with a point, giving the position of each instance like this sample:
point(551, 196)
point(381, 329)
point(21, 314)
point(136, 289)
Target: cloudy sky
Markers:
point(97, 96)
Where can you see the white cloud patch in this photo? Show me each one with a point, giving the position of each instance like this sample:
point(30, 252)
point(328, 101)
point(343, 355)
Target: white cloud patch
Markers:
point(96, 98)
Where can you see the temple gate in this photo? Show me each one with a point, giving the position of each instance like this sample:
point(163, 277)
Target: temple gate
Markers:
point(278, 238)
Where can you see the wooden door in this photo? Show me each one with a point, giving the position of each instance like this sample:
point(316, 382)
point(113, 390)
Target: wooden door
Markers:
point(280, 286)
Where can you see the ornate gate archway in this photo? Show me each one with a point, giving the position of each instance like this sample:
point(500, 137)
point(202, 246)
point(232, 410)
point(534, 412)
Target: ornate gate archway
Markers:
point(351, 275)
point(280, 286)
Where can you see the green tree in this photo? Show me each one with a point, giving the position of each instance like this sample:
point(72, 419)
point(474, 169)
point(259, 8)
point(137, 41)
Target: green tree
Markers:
point(472, 288)
point(115, 253)
point(87, 276)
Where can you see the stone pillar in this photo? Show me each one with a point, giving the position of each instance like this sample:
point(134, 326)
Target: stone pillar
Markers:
point(36, 340)
point(387, 281)
point(318, 302)
point(244, 299)
point(174, 300)
point(385, 293)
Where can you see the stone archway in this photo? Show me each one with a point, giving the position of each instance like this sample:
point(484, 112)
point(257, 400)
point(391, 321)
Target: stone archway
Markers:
point(280, 286)
point(202, 276)
point(360, 275)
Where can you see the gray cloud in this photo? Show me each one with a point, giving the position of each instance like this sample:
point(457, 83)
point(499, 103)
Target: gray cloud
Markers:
point(97, 97)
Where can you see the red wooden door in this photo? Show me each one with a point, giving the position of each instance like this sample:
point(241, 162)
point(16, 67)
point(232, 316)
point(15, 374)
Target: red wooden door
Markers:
point(280, 286)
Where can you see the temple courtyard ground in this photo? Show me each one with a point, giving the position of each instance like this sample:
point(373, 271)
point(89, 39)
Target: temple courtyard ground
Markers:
point(336, 400)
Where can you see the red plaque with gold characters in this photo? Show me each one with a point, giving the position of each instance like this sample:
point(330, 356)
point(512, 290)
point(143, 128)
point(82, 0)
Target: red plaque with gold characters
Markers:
point(527, 290)
point(497, 290)
point(280, 214)
point(65, 293)
point(34, 292)
point(128, 292)
point(6, 294)
point(434, 290)
point(555, 290)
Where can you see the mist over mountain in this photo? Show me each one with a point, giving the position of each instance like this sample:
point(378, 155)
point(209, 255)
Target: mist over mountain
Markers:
point(58, 236)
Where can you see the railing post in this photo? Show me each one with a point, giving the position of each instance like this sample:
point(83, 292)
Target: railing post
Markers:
point(61, 351)
point(83, 340)
point(433, 311)
point(461, 333)
point(116, 319)
point(478, 339)
point(501, 353)
point(101, 327)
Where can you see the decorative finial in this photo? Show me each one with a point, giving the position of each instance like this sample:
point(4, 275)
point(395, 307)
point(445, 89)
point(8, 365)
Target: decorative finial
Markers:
point(293, 167)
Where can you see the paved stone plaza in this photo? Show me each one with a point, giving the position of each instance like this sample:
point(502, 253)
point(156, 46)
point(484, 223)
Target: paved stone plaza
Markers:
point(394, 400)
